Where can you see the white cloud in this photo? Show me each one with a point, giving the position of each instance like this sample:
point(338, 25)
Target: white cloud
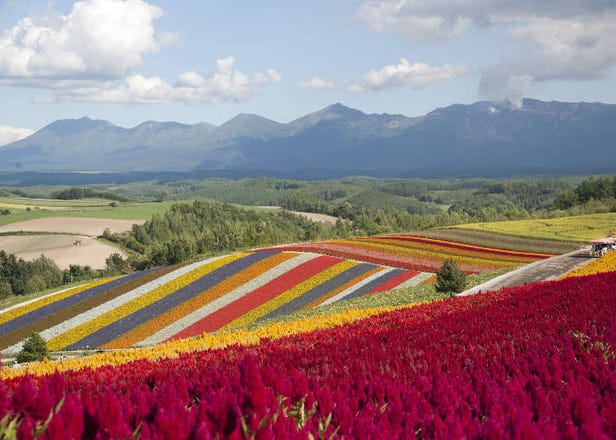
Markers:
point(562, 39)
point(406, 74)
point(12, 134)
point(316, 82)
point(225, 84)
point(93, 52)
point(418, 20)
point(97, 39)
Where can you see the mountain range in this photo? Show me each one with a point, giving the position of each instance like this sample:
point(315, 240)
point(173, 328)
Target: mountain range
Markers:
point(549, 136)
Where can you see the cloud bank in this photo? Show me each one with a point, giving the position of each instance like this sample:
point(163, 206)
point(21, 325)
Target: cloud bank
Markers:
point(225, 84)
point(560, 39)
point(93, 53)
point(415, 75)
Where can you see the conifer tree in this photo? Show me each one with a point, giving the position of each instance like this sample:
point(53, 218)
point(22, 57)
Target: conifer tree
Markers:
point(35, 349)
point(450, 279)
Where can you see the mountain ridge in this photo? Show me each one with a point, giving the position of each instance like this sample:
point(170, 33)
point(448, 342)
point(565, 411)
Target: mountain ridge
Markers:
point(553, 135)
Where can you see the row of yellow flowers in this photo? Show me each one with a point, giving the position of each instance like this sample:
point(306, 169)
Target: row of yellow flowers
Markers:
point(606, 263)
point(148, 328)
point(89, 327)
point(42, 302)
point(206, 341)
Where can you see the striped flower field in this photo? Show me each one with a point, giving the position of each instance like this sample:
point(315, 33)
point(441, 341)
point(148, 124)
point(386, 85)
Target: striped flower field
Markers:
point(170, 303)
point(419, 253)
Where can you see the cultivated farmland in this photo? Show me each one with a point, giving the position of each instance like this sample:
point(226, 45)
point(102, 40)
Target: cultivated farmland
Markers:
point(237, 290)
point(419, 253)
point(62, 249)
point(177, 302)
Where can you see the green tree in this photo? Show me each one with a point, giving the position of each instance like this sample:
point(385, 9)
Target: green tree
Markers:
point(162, 196)
point(449, 278)
point(35, 283)
point(35, 349)
point(5, 289)
point(116, 265)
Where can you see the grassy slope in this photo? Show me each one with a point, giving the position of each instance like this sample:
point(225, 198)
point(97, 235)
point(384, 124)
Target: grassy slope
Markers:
point(576, 229)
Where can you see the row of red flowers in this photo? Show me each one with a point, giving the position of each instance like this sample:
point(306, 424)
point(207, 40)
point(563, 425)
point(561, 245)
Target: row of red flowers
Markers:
point(532, 362)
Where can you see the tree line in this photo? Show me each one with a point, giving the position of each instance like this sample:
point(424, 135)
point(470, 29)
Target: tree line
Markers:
point(598, 189)
point(76, 193)
point(20, 277)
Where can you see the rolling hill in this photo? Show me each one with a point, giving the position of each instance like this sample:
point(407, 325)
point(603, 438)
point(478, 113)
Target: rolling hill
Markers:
point(482, 138)
point(236, 290)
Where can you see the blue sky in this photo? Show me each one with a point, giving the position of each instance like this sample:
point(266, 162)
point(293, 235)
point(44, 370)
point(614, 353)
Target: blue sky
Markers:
point(128, 61)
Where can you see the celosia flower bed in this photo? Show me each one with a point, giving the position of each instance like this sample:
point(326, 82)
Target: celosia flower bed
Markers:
point(419, 253)
point(178, 302)
point(531, 362)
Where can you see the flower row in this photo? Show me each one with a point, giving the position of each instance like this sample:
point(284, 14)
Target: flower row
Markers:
point(418, 253)
point(473, 367)
point(173, 303)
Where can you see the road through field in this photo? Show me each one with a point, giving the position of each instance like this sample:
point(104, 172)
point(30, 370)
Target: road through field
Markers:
point(543, 270)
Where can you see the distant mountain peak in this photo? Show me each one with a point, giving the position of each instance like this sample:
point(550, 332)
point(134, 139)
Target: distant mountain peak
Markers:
point(341, 110)
point(75, 126)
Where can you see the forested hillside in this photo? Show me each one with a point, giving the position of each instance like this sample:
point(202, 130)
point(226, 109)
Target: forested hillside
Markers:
point(206, 227)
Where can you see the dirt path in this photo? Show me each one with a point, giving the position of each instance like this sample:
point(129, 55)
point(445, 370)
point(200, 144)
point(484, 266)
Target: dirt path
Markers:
point(543, 270)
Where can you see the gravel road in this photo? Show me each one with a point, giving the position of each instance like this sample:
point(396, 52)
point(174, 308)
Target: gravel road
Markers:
point(543, 270)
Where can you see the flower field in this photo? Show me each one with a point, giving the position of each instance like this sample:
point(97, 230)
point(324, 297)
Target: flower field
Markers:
point(579, 228)
point(182, 301)
point(536, 361)
point(419, 253)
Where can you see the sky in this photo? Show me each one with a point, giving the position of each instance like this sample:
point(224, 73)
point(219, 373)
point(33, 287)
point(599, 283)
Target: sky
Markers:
point(128, 61)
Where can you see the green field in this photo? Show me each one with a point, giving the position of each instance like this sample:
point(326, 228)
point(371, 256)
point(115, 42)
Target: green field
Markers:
point(577, 229)
point(96, 208)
